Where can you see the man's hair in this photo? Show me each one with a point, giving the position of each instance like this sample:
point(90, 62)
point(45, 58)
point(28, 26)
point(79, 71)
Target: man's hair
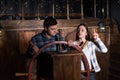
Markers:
point(49, 21)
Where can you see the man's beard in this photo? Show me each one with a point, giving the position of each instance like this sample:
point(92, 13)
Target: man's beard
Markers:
point(49, 34)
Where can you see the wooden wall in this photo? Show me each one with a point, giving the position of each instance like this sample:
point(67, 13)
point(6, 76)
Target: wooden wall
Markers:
point(16, 35)
point(114, 70)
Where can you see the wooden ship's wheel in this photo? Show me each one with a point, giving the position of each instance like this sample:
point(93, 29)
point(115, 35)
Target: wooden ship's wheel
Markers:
point(84, 59)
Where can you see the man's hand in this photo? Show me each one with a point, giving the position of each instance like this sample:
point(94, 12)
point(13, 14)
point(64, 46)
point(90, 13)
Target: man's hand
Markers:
point(35, 48)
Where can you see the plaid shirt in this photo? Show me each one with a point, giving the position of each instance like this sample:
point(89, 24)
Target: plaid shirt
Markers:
point(40, 40)
point(44, 61)
point(89, 51)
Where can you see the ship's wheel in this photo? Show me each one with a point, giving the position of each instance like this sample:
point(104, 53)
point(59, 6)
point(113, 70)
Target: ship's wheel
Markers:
point(84, 59)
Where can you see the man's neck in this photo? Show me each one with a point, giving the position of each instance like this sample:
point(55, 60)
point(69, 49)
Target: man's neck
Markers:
point(48, 36)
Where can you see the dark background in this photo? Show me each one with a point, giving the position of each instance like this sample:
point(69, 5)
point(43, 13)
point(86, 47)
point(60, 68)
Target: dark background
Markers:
point(115, 11)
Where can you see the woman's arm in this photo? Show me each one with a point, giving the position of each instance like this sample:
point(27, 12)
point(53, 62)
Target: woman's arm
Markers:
point(100, 46)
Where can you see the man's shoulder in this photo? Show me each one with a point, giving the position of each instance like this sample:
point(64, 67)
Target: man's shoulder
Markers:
point(39, 35)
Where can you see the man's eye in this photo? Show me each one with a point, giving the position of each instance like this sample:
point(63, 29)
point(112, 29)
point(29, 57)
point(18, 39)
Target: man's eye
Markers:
point(52, 29)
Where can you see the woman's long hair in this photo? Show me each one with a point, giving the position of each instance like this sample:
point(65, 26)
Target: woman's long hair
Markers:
point(88, 34)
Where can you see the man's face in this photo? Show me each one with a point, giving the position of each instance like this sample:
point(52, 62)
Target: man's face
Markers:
point(51, 31)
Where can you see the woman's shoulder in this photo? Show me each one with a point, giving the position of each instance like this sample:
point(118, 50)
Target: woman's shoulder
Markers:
point(90, 43)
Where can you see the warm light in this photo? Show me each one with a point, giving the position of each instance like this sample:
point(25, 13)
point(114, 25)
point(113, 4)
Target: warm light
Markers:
point(101, 25)
point(0, 30)
point(1, 33)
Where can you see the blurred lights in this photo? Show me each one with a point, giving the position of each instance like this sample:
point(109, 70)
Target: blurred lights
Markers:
point(1, 30)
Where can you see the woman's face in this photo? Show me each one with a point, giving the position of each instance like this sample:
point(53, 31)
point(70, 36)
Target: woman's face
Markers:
point(82, 32)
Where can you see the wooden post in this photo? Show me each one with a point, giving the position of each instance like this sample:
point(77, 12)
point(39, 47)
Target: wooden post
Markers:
point(82, 14)
point(68, 13)
point(66, 66)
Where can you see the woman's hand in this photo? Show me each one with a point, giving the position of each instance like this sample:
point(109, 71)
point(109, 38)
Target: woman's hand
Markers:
point(70, 43)
point(95, 35)
point(73, 43)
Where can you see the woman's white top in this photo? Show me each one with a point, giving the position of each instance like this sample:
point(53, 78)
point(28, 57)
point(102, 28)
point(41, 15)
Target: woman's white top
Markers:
point(89, 51)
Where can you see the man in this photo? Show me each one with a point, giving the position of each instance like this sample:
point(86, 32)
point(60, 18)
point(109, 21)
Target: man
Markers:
point(44, 61)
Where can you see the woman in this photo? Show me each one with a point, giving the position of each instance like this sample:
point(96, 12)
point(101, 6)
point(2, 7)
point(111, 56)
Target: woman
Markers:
point(89, 47)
